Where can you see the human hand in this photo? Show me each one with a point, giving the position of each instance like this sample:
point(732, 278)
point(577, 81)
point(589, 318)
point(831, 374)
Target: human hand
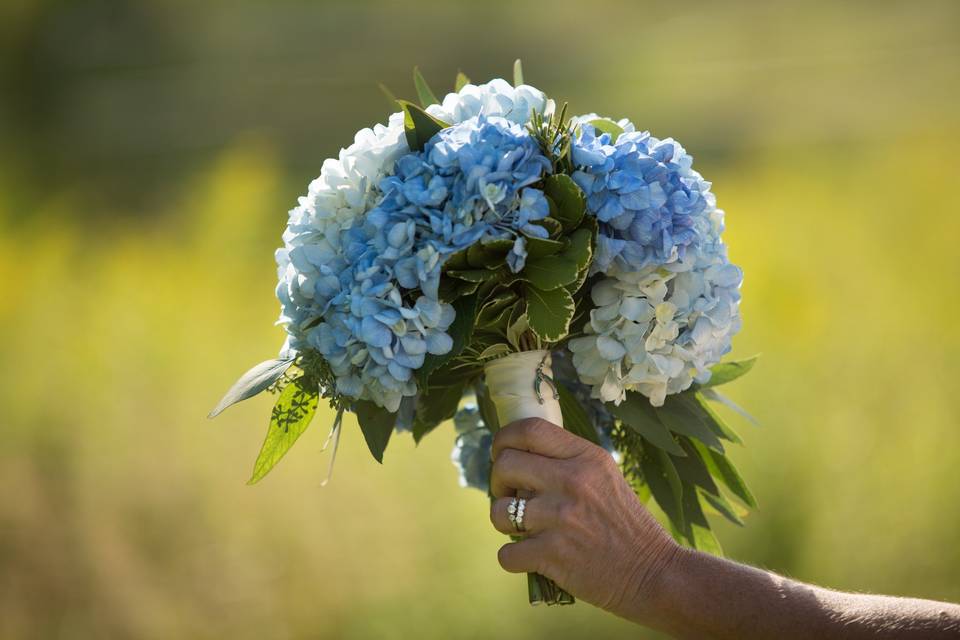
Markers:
point(584, 527)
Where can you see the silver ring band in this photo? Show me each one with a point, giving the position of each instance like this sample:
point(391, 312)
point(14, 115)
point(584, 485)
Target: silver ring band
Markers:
point(515, 513)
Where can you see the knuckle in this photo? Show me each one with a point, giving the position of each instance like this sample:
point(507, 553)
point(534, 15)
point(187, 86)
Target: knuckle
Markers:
point(568, 514)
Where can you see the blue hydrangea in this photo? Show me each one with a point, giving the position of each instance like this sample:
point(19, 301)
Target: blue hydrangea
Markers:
point(371, 280)
point(645, 195)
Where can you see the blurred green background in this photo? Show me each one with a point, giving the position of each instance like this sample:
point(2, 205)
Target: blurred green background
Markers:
point(150, 153)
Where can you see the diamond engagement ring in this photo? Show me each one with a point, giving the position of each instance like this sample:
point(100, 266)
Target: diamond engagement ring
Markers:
point(515, 512)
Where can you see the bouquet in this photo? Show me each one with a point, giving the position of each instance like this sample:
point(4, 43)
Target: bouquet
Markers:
point(487, 258)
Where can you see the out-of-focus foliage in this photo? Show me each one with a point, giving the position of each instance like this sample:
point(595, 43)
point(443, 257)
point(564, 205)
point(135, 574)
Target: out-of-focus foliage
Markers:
point(150, 154)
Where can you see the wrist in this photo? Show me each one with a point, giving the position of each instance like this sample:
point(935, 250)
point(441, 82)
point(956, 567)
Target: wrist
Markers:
point(660, 595)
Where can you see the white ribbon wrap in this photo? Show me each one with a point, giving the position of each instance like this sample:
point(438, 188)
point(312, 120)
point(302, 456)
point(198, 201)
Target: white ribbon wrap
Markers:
point(511, 380)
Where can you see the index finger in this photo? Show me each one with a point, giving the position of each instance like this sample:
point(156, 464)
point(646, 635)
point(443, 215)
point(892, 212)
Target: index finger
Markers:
point(539, 436)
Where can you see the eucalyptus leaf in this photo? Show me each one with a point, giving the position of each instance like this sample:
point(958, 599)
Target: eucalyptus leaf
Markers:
point(716, 396)
point(729, 371)
point(461, 81)
point(549, 312)
point(575, 419)
point(418, 125)
point(607, 126)
point(424, 93)
point(569, 199)
point(637, 413)
point(377, 424)
point(257, 379)
point(290, 417)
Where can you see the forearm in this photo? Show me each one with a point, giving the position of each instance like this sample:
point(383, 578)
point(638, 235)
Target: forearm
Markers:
point(700, 596)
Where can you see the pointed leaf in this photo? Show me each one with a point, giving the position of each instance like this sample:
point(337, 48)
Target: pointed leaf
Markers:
point(607, 126)
point(253, 382)
point(722, 506)
point(684, 417)
point(575, 419)
point(377, 424)
point(435, 405)
point(424, 93)
point(418, 125)
point(517, 73)
point(290, 417)
point(693, 470)
point(664, 483)
point(549, 312)
point(729, 371)
point(635, 412)
point(392, 99)
point(723, 470)
point(461, 81)
point(713, 419)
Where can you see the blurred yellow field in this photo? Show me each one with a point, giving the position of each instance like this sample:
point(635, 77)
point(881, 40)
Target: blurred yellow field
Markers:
point(125, 513)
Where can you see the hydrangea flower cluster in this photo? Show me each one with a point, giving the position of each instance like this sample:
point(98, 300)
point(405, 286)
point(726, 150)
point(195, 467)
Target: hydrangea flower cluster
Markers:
point(380, 221)
point(670, 305)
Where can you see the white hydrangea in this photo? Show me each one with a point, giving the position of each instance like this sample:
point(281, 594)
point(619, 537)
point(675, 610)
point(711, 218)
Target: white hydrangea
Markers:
point(659, 329)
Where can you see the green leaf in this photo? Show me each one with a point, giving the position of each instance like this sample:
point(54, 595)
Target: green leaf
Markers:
point(553, 227)
point(472, 275)
point(729, 371)
point(568, 198)
point(664, 483)
point(418, 125)
point(461, 330)
point(722, 506)
point(290, 417)
point(496, 309)
point(635, 412)
point(452, 289)
point(693, 470)
point(495, 351)
point(607, 126)
point(580, 249)
point(435, 405)
point(424, 93)
point(723, 470)
point(376, 423)
point(461, 81)
point(517, 73)
point(392, 99)
point(683, 417)
point(575, 419)
point(549, 312)
point(550, 272)
point(697, 529)
point(714, 421)
point(517, 325)
point(543, 247)
point(251, 383)
point(488, 410)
